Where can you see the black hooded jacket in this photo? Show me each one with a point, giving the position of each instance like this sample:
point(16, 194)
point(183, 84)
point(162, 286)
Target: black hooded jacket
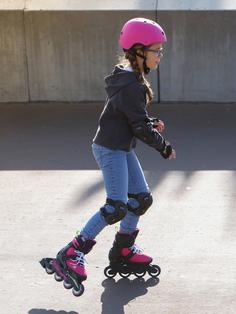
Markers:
point(125, 117)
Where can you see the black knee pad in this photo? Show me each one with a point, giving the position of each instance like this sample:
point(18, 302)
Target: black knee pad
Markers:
point(145, 201)
point(120, 211)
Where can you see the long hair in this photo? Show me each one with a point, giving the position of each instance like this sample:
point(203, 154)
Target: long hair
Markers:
point(130, 59)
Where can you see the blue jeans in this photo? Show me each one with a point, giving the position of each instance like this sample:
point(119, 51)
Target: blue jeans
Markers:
point(122, 174)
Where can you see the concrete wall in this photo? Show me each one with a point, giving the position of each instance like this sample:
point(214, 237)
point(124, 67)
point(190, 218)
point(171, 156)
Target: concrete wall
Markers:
point(69, 53)
point(13, 65)
point(200, 62)
point(60, 51)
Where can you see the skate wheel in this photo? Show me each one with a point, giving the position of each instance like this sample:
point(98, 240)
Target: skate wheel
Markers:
point(57, 277)
point(155, 272)
point(109, 273)
point(46, 263)
point(49, 271)
point(78, 292)
point(67, 285)
point(140, 275)
point(124, 275)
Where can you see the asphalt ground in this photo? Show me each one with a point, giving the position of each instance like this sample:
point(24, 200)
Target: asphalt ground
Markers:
point(50, 186)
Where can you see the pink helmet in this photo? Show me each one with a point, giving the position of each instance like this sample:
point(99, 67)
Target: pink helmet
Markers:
point(141, 31)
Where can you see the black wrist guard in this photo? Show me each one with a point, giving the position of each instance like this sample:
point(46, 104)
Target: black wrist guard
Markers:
point(166, 151)
point(154, 120)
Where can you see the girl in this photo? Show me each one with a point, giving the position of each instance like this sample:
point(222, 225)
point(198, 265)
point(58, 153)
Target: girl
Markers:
point(123, 119)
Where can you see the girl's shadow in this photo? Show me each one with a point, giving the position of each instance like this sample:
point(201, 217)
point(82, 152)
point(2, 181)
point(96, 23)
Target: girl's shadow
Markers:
point(118, 293)
point(43, 311)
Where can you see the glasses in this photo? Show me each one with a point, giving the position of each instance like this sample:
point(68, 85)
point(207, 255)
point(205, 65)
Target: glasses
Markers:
point(158, 52)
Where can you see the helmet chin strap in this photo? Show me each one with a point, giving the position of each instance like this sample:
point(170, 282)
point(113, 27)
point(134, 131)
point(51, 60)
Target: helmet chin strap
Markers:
point(146, 69)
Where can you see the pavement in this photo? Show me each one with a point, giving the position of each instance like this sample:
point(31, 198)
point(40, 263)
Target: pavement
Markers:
point(50, 185)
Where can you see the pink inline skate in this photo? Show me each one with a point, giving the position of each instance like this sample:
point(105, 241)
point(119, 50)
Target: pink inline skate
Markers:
point(68, 266)
point(126, 258)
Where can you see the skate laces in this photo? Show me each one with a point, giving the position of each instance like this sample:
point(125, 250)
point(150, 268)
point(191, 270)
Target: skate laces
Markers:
point(136, 249)
point(79, 259)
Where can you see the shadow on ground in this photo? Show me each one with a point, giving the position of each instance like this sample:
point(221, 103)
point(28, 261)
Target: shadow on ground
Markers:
point(43, 311)
point(119, 293)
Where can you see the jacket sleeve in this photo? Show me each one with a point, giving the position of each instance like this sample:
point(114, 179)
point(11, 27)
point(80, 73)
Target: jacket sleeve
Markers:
point(131, 101)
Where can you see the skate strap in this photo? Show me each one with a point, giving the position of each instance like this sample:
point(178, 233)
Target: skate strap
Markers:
point(134, 249)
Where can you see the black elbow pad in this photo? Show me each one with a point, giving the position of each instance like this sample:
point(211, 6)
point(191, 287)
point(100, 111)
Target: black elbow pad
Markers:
point(145, 132)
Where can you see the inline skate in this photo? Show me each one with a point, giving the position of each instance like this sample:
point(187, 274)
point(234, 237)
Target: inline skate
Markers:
point(126, 258)
point(68, 266)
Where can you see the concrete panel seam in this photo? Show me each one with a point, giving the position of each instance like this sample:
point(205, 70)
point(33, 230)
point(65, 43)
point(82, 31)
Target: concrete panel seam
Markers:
point(26, 57)
point(158, 69)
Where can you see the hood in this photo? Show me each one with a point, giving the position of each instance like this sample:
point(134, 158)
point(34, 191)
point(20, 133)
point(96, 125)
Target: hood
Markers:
point(118, 79)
